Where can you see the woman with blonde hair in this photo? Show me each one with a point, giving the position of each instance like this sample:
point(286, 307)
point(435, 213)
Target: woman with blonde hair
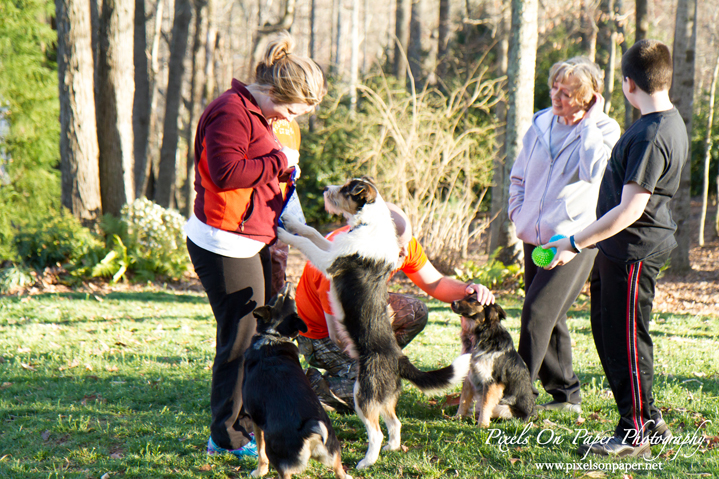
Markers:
point(239, 167)
point(554, 185)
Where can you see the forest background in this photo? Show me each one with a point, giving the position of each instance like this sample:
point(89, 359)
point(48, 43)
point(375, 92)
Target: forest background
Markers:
point(100, 100)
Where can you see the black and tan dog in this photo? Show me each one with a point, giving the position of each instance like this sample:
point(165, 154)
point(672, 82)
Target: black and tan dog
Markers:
point(359, 262)
point(497, 372)
point(290, 425)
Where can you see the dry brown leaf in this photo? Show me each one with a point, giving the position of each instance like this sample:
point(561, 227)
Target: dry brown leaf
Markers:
point(115, 455)
point(404, 448)
point(594, 475)
point(27, 366)
point(206, 467)
point(513, 460)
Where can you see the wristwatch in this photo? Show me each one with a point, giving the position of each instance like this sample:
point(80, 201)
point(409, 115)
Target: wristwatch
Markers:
point(574, 245)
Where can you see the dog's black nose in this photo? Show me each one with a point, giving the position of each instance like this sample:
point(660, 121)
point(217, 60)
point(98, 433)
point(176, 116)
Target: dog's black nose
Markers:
point(325, 190)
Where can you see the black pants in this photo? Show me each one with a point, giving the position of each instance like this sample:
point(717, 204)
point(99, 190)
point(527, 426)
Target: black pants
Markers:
point(544, 341)
point(234, 287)
point(622, 297)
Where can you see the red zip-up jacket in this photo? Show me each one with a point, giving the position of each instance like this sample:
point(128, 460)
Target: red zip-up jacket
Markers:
point(238, 164)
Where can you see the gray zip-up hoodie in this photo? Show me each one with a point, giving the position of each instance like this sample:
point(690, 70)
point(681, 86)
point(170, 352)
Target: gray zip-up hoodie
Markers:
point(559, 196)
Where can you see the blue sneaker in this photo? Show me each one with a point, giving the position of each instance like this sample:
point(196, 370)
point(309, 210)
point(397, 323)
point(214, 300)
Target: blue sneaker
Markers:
point(248, 450)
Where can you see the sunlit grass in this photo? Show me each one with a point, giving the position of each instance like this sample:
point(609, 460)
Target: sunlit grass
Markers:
point(119, 385)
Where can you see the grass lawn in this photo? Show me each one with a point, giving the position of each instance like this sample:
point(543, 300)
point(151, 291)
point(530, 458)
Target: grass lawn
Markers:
point(118, 386)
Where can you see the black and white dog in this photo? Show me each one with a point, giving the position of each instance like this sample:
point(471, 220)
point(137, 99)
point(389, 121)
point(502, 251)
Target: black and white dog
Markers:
point(290, 425)
point(497, 372)
point(359, 263)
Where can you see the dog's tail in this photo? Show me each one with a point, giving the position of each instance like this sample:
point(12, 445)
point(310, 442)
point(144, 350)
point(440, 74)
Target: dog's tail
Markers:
point(431, 381)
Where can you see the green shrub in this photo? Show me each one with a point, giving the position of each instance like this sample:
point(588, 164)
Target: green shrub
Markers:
point(56, 238)
point(492, 274)
point(29, 111)
point(15, 277)
point(147, 240)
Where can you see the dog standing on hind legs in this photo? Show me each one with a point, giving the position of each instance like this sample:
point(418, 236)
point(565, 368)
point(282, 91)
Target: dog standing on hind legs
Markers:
point(290, 425)
point(359, 263)
point(497, 372)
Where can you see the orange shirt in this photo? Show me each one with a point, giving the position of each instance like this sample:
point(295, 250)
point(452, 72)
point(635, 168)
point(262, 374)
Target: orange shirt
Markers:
point(312, 297)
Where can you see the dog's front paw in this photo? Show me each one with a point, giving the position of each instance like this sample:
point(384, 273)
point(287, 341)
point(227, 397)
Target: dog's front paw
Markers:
point(260, 471)
point(290, 223)
point(391, 447)
point(364, 464)
point(284, 236)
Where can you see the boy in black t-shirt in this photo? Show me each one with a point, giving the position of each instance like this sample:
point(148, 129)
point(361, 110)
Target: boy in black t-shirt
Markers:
point(634, 233)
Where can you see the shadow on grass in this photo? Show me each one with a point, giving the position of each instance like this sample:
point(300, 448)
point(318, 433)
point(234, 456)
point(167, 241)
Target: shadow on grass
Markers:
point(142, 296)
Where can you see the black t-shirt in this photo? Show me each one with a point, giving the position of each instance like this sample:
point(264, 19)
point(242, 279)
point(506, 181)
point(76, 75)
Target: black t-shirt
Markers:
point(651, 153)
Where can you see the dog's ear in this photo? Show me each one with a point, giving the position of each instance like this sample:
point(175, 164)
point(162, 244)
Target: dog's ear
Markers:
point(363, 192)
point(263, 314)
point(300, 324)
point(291, 325)
point(494, 313)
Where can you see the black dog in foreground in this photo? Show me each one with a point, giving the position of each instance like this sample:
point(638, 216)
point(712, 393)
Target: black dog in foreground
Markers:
point(497, 372)
point(290, 425)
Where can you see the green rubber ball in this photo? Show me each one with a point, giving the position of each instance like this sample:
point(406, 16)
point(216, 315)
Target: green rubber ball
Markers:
point(542, 257)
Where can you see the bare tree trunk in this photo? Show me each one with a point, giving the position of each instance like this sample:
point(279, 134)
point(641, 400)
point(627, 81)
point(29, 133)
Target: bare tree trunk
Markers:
point(313, 26)
point(607, 51)
point(620, 21)
point(641, 17)
point(500, 192)
point(443, 37)
point(414, 47)
point(285, 23)
point(78, 138)
point(354, 57)
point(403, 16)
point(520, 81)
point(210, 89)
point(337, 64)
point(365, 42)
point(333, 34)
point(114, 105)
point(165, 188)
point(682, 95)
point(196, 95)
point(589, 30)
point(140, 112)
point(149, 172)
point(708, 154)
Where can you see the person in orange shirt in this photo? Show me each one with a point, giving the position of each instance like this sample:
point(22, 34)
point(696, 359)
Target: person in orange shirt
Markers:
point(323, 348)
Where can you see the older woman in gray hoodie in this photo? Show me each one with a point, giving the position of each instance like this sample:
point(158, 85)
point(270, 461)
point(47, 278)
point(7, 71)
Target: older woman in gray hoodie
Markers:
point(554, 186)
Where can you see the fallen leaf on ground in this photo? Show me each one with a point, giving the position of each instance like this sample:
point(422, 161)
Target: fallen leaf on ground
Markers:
point(45, 435)
point(206, 467)
point(27, 366)
point(594, 475)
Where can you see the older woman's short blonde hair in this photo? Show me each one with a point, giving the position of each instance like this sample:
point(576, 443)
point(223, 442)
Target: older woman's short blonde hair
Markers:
point(290, 78)
point(591, 78)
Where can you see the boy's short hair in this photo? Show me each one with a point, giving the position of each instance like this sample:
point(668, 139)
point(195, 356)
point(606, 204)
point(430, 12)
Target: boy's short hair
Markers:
point(649, 64)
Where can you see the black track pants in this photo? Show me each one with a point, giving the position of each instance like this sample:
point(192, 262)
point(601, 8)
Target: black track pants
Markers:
point(622, 297)
point(234, 287)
